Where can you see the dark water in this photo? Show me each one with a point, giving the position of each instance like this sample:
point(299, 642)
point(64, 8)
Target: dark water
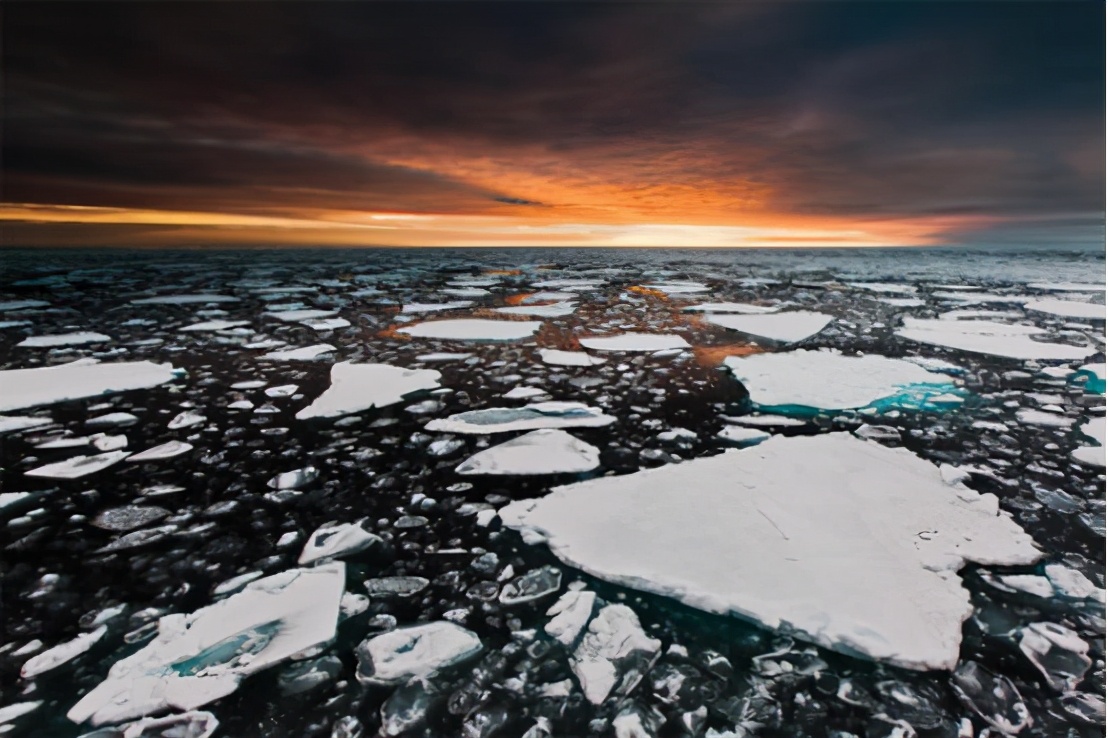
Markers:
point(713, 673)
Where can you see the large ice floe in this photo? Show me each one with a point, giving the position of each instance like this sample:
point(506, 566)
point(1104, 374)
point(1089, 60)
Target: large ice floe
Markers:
point(538, 452)
point(1068, 308)
point(807, 381)
point(473, 329)
point(196, 659)
point(854, 545)
point(358, 387)
point(789, 327)
point(1010, 340)
point(556, 357)
point(63, 339)
point(529, 417)
point(635, 342)
point(22, 388)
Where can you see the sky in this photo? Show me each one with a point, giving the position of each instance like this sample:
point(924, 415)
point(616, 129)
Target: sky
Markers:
point(814, 123)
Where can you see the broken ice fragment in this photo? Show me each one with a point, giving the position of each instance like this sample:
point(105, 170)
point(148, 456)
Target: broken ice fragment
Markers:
point(531, 586)
point(186, 419)
point(554, 310)
point(213, 326)
point(1057, 652)
point(21, 388)
point(742, 436)
point(991, 696)
point(787, 327)
point(13, 423)
point(396, 586)
point(78, 466)
point(62, 653)
point(1068, 308)
point(569, 615)
point(167, 450)
point(112, 420)
point(614, 654)
point(836, 524)
point(196, 659)
point(294, 479)
point(63, 339)
point(529, 417)
point(308, 353)
point(335, 540)
point(416, 651)
point(538, 452)
point(569, 358)
point(129, 517)
point(358, 387)
point(183, 299)
point(731, 307)
point(635, 342)
point(473, 329)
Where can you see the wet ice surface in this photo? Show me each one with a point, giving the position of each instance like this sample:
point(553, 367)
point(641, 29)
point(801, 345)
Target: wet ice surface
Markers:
point(197, 483)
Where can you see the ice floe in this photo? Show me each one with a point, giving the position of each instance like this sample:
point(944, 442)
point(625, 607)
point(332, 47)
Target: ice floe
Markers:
point(556, 357)
point(538, 452)
point(63, 653)
point(731, 307)
point(1068, 308)
point(1012, 341)
point(214, 325)
point(358, 387)
point(1068, 286)
point(788, 327)
point(167, 450)
point(15, 423)
point(678, 288)
point(473, 329)
point(529, 417)
point(991, 696)
point(63, 339)
point(22, 388)
point(196, 659)
point(1057, 652)
point(742, 436)
point(553, 310)
point(635, 342)
point(307, 353)
point(804, 380)
point(416, 651)
point(855, 545)
point(888, 288)
point(416, 308)
point(335, 540)
point(8, 306)
point(614, 654)
point(1093, 428)
point(184, 299)
point(78, 466)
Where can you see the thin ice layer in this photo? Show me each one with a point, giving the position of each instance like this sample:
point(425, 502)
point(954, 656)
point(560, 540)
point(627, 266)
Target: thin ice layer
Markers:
point(358, 387)
point(22, 388)
point(855, 545)
point(196, 659)
point(827, 380)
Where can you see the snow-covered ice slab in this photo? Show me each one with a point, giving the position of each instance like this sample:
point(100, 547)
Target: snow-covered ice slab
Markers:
point(538, 452)
point(1068, 286)
point(214, 325)
point(167, 450)
point(358, 387)
point(888, 288)
point(296, 316)
point(78, 466)
point(417, 651)
point(789, 327)
point(196, 659)
point(63, 339)
point(415, 308)
point(474, 329)
point(184, 299)
point(635, 342)
point(554, 310)
point(855, 545)
point(14, 423)
point(335, 540)
point(1067, 308)
point(22, 388)
point(529, 417)
point(678, 288)
point(731, 307)
point(808, 381)
point(614, 654)
point(1011, 341)
point(556, 357)
point(308, 353)
point(62, 653)
point(1093, 428)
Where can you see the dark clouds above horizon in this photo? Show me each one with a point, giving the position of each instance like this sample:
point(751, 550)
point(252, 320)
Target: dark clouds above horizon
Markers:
point(979, 117)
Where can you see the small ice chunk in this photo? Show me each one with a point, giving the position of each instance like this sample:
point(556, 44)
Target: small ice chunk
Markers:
point(63, 339)
point(417, 651)
point(167, 450)
point(440, 356)
point(14, 305)
point(358, 387)
point(294, 479)
point(22, 388)
point(297, 316)
point(529, 417)
point(186, 419)
point(284, 390)
point(396, 586)
point(211, 326)
point(744, 308)
point(62, 653)
point(787, 327)
point(112, 420)
point(635, 342)
point(544, 451)
point(307, 353)
point(473, 329)
point(129, 517)
point(523, 393)
point(199, 658)
point(1039, 417)
point(1057, 652)
point(416, 308)
point(614, 654)
point(555, 357)
point(569, 616)
point(78, 466)
point(335, 540)
point(553, 310)
point(766, 421)
point(192, 724)
point(531, 586)
point(1073, 584)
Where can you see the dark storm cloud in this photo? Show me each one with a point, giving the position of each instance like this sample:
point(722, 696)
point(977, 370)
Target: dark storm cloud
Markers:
point(831, 108)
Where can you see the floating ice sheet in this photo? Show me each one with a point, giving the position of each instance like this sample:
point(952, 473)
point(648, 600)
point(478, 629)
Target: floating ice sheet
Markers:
point(167, 450)
point(614, 654)
point(554, 310)
point(214, 325)
point(537, 452)
point(21, 388)
point(556, 357)
point(14, 423)
point(415, 308)
point(358, 387)
point(855, 545)
point(78, 466)
point(308, 353)
point(529, 417)
point(1068, 286)
point(789, 327)
point(1093, 428)
point(805, 381)
point(63, 339)
point(14, 305)
point(417, 651)
point(1012, 341)
point(474, 329)
point(1068, 308)
point(196, 659)
point(635, 342)
point(731, 307)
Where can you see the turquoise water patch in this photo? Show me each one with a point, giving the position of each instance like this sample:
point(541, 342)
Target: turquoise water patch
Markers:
point(228, 650)
point(1093, 384)
point(931, 397)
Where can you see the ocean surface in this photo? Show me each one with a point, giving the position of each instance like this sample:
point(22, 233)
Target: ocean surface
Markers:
point(107, 558)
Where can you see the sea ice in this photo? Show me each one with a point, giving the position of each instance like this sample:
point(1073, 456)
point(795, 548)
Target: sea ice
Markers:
point(614, 654)
point(167, 450)
point(888, 288)
point(186, 419)
point(1093, 428)
point(1057, 652)
point(742, 436)
point(473, 329)
point(307, 353)
point(335, 540)
point(22, 388)
point(62, 653)
point(417, 651)
point(78, 466)
point(183, 299)
point(534, 585)
point(529, 417)
point(1008, 340)
point(415, 308)
point(788, 327)
point(1068, 308)
point(538, 452)
point(196, 659)
point(214, 325)
point(358, 387)
point(678, 288)
point(556, 357)
point(524, 393)
point(855, 545)
point(806, 381)
point(13, 305)
point(298, 316)
point(635, 342)
point(553, 310)
point(731, 307)
point(991, 696)
point(63, 339)
point(569, 616)
point(14, 423)
point(1068, 286)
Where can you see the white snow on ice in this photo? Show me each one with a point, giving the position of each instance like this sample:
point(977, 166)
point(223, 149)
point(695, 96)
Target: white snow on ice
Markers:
point(358, 387)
